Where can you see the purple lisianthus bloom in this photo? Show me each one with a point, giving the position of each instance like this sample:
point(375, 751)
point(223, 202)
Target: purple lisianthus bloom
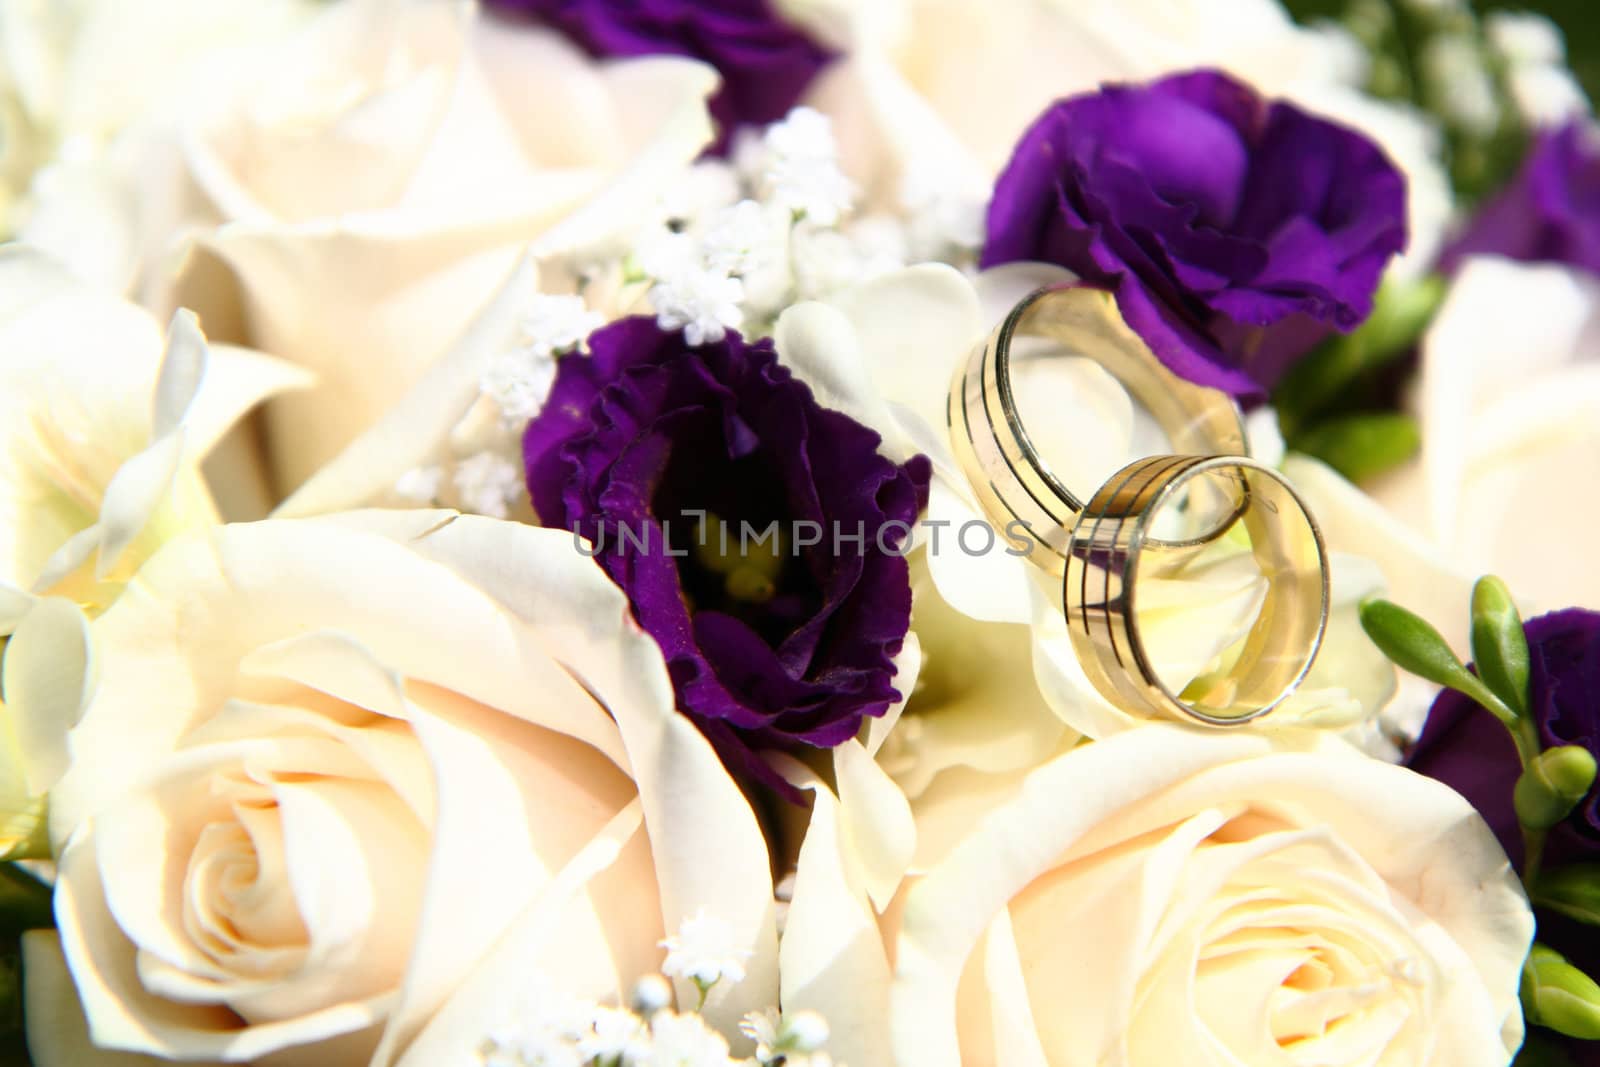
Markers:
point(1235, 232)
point(1469, 750)
point(765, 63)
point(699, 475)
point(1549, 213)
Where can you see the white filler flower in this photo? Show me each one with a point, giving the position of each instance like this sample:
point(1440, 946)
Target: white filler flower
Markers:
point(705, 951)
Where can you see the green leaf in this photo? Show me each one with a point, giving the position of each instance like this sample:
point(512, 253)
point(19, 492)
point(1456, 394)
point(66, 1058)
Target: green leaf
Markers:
point(1400, 312)
point(1558, 996)
point(1499, 645)
point(1574, 891)
point(1361, 447)
point(1414, 645)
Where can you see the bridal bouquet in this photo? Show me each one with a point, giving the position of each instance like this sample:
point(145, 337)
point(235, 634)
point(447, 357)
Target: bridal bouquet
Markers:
point(563, 533)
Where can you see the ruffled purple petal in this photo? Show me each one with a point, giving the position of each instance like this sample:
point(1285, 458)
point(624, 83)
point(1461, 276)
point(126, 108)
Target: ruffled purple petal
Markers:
point(1236, 233)
point(646, 430)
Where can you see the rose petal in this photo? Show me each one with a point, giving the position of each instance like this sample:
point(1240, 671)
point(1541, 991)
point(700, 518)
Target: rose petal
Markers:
point(527, 955)
point(819, 344)
point(718, 863)
point(1016, 1035)
point(832, 957)
point(123, 1015)
point(913, 326)
point(877, 826)
point(408, 434)
point(58, 1033)
point(49, 679)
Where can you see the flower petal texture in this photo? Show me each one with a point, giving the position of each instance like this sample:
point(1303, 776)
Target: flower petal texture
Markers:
point(646, 446)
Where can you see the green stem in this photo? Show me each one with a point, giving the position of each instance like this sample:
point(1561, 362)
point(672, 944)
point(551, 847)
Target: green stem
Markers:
point(1526, 736)
point(1532, 857)
point(1523, 735)
point(1405, 52)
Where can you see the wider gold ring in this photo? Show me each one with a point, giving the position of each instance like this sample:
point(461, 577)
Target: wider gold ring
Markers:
point(1113, 545)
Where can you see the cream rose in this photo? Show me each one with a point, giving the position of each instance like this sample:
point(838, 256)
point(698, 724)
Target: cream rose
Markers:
point(1171, 896)
point(384, 177)
point(331, 763)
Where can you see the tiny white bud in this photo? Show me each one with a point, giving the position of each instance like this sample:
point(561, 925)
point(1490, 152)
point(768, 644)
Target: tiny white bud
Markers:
point(420, 485)
point(1546, 95)
point(650, 994)
point(701, 302)
point(488, 484)
point(1522, 37)
point(784, 890)
point(803, 1031)
point(800, 168)
point(1459, 79)
point(762, 1028)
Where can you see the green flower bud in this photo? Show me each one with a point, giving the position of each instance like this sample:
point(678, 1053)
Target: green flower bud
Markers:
point(1414, 645)
point(1551, 786)
point(1558, 996)
point(1499, 645)
point(1409, 640)
point(1573, 890)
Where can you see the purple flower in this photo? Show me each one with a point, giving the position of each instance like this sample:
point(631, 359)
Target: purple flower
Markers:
point(771, 643)
point(1235, 232)
point(1551, 210)
point(1465, 747)
point(765, 63)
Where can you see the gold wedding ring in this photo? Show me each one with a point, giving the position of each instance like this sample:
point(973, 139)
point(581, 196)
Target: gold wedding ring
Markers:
point(1149, 520)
